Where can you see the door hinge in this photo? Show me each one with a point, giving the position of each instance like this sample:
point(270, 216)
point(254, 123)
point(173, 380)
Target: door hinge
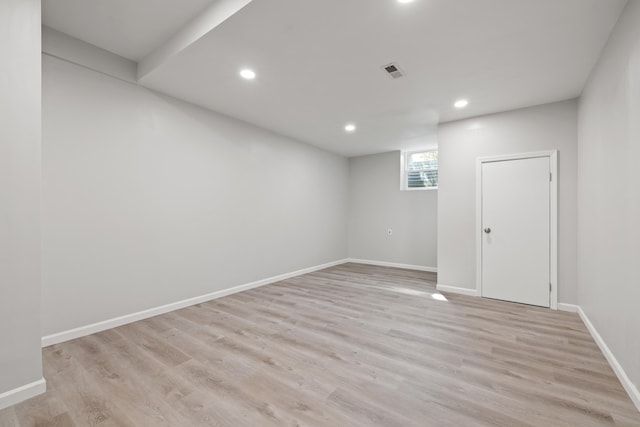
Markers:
point(550, 176)
point(549, 287)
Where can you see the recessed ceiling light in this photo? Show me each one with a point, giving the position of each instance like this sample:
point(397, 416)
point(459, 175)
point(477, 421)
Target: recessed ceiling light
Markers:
point(461, 103)
point(405, 1)
point(248, 74)
point(350, 127)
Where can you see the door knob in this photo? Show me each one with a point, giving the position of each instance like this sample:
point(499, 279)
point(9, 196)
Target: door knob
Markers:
point(487, 230)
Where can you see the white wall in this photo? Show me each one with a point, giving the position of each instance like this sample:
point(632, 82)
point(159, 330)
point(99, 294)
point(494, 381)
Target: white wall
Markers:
point(377, 204)
point(609, 194)
point(20, 360)
point(551, 126)
point(148, 200)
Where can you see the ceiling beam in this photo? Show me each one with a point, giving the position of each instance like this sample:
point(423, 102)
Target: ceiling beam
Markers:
point(218, 12)
point(70, 49)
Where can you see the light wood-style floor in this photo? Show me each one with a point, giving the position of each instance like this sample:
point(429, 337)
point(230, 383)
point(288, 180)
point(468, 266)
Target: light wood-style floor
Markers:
point(352, 345)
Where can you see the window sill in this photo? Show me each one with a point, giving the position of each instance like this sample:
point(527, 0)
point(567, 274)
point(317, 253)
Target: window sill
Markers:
point(420, 189)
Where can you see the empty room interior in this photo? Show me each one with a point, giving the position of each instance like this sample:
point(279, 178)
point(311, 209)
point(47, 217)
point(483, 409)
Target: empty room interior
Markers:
point(319, 213)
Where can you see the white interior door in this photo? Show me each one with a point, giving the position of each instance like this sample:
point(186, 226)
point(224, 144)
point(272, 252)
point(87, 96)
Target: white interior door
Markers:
point(516, 230)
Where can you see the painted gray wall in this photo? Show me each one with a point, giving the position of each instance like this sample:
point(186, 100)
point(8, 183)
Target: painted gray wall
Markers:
point(377, 204)
point(609, 194)
point(20, 360)
point(460, 143)
point(148, 200)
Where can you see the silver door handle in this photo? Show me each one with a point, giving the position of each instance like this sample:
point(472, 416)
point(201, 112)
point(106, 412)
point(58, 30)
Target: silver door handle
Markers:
point(487, 230)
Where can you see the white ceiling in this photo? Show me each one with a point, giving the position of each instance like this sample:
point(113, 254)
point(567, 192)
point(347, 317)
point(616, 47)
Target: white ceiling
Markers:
point(129, 28)
point(319, 62)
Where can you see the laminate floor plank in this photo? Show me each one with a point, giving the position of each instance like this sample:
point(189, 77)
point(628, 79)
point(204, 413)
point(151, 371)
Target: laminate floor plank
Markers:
point(352, 345)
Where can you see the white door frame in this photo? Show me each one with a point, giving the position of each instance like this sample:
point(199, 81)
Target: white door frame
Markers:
point(553, 220)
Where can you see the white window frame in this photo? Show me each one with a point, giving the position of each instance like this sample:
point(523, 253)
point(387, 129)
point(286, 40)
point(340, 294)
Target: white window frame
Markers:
point(404, 173)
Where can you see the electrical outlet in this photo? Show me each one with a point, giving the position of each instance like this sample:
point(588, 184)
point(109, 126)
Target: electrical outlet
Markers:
point(389, 232)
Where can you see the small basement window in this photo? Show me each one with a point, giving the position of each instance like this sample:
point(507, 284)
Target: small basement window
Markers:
point(420, 170)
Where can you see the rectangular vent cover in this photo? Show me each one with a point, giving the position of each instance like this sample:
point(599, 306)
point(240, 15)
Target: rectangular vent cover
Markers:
point(393, 70)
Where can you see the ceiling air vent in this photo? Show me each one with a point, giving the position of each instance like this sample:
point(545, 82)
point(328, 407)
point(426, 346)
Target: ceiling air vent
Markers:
point(393, 70)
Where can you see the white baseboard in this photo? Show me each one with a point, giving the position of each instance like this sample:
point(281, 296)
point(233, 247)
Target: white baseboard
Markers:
point(571, 308)
point(27, 391)
point(630, 388)
point(393, 264)
point(456, 290)
point(145, 314)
